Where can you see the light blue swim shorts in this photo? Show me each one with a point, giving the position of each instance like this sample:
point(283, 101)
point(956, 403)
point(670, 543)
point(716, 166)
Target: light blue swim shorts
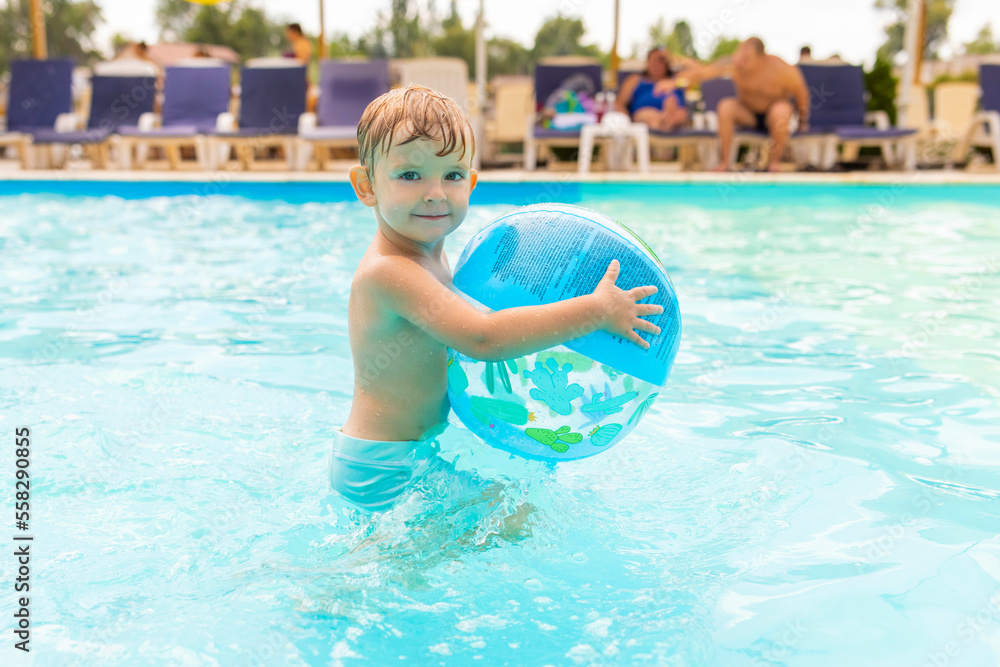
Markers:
point(373, 474)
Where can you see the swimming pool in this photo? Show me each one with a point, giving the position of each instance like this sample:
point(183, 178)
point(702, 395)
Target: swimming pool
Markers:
point(818, 483)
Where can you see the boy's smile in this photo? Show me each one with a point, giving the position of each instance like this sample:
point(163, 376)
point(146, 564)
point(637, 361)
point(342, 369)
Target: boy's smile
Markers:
point(419, 196)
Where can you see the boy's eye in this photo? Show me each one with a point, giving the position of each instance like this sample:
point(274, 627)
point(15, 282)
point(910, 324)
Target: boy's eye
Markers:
point(409, 176)
point(455, 176)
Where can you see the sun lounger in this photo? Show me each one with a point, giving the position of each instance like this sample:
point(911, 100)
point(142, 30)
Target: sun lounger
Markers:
point(272, 99)
point(115, 102)
point(839, 108)
point(193, 100)
point(41, 98)
point(448, 76)
point(954, 107)
point(548, 78)
point(984, 130)
point(346, 89)
point(513, 102)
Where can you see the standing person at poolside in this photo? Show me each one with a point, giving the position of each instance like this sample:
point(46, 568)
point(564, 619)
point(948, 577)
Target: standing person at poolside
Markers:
point(301, 46)
point(302, 51)
point(647, 97)
point(416, 148)
point(764, 83)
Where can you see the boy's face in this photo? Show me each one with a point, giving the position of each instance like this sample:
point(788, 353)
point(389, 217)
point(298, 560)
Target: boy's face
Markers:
point(416, 193)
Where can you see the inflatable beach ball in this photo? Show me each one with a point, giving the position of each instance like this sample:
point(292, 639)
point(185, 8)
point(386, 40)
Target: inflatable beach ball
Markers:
point(577, 399)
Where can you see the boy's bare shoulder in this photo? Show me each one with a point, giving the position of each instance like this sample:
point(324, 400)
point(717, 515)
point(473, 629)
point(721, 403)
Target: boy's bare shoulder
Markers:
point(387, 272)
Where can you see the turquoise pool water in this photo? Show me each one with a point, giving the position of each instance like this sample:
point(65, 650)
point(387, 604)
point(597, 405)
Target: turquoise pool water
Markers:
point(818, 484)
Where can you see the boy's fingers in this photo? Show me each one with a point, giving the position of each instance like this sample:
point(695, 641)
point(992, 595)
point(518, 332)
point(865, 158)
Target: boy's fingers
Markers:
point(649, 308)
point(612, 273)
point(640, 293)
point(635, 338)
point(648, 327)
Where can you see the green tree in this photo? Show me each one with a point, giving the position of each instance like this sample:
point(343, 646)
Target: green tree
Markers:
point(69, 30)
point(341, 46)
point(881, 85)
point(398, 34)
point(455, 39)
point(212, 24)
point(935, 32)
point(237, 24)
point(658, 33)
point(506, 56)
point(983, 43)
point(119, 41)
point(680, 41)
point(174, 18)
point(561, 36)
point(724, 46)
point(255, 35)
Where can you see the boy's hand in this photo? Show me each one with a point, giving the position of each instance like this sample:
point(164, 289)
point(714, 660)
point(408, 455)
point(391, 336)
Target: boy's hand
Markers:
point(622, 315)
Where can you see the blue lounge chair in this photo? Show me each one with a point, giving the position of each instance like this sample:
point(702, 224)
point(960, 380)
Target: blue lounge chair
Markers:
point(984, 130)
point(115, 102)
point(193, 100)
point(838, 113)
point(272, 99)
point(41, 98)
point(346, 89)
point(548, 78)
point(839, 109)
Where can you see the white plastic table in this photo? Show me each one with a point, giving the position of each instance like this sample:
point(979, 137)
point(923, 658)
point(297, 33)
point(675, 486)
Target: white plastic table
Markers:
point(623, 135)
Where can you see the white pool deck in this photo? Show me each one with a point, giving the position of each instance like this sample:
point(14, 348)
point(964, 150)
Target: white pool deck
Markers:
point(337, 172)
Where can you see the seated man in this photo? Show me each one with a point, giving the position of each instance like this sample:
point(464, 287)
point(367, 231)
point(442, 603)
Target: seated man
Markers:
point(764, 84)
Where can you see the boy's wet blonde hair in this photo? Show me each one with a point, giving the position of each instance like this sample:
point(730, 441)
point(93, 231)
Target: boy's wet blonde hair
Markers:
point(418, 111)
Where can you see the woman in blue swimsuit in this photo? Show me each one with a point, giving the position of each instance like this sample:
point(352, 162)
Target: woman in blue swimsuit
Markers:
point(653, 97)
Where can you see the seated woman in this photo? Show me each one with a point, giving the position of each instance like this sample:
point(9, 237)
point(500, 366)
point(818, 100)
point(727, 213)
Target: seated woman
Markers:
point(653, 97)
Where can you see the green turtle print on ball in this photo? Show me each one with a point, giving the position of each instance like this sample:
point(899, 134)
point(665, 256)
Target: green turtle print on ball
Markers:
point(574, 400)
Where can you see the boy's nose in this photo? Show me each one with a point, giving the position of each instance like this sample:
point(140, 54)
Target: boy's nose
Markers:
point(435, 192)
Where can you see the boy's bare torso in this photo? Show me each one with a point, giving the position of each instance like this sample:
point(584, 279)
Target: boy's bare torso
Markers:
point(401, 378)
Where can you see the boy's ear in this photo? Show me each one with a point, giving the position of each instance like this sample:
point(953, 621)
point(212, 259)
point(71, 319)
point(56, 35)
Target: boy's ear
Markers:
point(362, 185)
point(473, 178)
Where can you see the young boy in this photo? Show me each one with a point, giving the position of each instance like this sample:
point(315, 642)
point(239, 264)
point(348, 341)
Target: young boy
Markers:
point(416, 149)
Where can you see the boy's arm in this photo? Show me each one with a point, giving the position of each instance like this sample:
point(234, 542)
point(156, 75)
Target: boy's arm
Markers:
point(407, 289)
